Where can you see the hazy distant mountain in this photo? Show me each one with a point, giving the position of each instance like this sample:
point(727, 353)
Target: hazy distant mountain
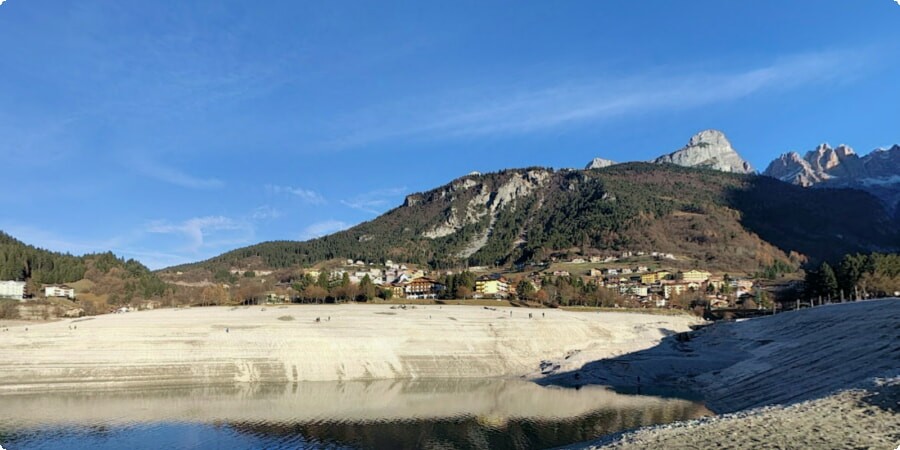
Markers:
point(877, 173)
point(708, 149)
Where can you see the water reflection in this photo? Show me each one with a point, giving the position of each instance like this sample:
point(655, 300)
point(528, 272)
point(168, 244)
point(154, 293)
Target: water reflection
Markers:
point(377, 414)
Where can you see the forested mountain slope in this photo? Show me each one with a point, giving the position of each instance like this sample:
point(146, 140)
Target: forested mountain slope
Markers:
point(126, 279)
point(729, 221)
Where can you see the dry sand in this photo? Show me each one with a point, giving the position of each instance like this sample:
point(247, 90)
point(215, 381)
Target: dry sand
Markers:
point(257, 344)
point(782, 359)
point(866, 418)
point(825, 377)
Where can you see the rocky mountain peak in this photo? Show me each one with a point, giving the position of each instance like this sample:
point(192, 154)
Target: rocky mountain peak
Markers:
point(709, 149)
point(599, 163)
point(878, 172)
point(709, 137)
point(844, 151)
point(792, 168)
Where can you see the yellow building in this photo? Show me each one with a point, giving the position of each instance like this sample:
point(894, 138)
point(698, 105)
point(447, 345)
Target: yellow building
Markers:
point(697, 276)
point(650, 278)
point(492, 287)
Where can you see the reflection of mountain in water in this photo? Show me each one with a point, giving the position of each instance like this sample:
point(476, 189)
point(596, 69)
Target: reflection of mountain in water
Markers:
point(378, 414)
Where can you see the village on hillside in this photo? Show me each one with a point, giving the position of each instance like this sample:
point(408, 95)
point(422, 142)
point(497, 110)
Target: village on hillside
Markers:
point(624, 279)
point(629, 279)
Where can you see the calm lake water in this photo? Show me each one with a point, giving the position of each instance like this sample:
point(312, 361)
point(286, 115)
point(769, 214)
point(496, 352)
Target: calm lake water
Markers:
point(432, 414)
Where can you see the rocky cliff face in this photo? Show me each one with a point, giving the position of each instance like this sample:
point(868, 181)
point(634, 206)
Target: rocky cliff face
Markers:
point(599, 163)
point(486, 203)
point(878, 172)
point(708, 149)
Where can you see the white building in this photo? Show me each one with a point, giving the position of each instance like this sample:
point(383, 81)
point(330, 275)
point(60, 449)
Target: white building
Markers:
point(12, 289)
point(59, 291)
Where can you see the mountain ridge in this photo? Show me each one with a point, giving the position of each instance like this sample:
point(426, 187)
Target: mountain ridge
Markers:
point(841, 167)
point(528, 215)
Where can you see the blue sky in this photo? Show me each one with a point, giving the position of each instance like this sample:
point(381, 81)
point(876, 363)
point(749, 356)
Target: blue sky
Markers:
point(173, 131)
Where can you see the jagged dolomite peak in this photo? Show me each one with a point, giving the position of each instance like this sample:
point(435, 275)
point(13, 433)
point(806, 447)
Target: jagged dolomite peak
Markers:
point(841, 163)
point(709, 149)
point(791, 168)
point(878, 172)
point(599, 163)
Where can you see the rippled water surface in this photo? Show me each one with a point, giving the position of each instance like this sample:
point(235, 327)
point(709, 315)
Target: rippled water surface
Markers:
point(438, 414)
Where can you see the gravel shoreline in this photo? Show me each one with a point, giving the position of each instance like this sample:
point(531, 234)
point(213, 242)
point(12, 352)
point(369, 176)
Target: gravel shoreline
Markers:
point(823, 378)
point(857, 418)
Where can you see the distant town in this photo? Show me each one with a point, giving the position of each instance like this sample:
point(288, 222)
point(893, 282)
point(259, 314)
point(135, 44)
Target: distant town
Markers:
point(629, 279)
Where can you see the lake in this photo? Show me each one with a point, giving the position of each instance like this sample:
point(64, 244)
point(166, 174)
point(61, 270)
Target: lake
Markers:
point(384, 414)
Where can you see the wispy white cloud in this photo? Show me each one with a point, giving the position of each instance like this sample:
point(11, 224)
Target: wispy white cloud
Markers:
point(522, 110)
point(323, 228)
point(203, 232)
point(174, 175)
point(265, 212)
point(307, 195)
point(375, 202)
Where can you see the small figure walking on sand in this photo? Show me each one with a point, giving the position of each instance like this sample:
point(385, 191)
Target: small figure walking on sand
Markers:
point(226, 329)
point(329, 318)
point(318, 320)
point(543, 315)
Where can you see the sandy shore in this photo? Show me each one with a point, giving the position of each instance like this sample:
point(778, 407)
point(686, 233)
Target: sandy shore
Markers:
point(859, 418)
point(782, 359)
point(287, 344)
point(826, 377)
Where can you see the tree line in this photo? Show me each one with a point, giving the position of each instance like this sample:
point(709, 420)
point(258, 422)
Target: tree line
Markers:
point(855, 276)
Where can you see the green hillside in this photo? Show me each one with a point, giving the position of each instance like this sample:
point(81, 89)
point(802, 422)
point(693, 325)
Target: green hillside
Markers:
point(125, 280)
point(19, 261)
point(728, 221)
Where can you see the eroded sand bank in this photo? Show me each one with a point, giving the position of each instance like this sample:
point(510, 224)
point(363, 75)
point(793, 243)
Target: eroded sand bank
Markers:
point(826, 377)
point(287, 344)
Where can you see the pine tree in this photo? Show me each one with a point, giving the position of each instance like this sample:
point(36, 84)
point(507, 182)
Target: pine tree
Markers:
point(828, 281)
